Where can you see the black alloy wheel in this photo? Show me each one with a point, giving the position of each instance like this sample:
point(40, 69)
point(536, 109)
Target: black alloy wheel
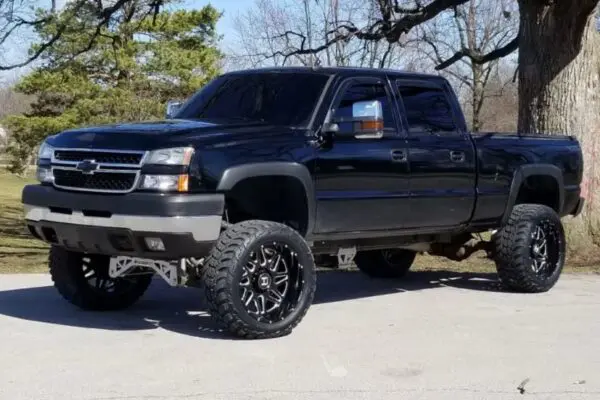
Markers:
point(271, 282)
point(545, 256)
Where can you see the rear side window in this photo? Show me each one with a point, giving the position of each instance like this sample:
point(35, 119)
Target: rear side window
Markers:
point(427, 109)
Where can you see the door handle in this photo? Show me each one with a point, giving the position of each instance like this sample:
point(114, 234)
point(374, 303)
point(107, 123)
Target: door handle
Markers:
point(457, 156)
point(398, 155)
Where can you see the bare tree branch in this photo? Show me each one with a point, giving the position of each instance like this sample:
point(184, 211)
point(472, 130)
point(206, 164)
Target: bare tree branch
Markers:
point(396, 20)
point(21, 22)
point(41, 49)
point(476, 58)
point(418, 16)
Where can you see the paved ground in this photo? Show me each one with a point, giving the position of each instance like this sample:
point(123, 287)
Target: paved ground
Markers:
point(436, 336)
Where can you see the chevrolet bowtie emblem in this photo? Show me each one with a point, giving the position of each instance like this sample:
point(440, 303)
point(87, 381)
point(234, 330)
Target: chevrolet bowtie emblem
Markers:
point(87, 167)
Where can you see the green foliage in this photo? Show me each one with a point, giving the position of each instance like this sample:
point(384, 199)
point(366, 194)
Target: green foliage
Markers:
point(126, 70)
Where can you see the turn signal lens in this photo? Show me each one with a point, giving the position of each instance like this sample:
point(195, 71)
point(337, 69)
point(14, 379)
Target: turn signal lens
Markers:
point(183, 183)
point(372, 125)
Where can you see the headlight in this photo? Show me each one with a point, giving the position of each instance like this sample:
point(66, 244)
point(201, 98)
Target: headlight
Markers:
point(174, 156)
point(44, 174)
point(165, 183)
point(46, 151)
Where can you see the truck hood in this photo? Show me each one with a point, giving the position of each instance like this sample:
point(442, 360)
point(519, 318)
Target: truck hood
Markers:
point(162, 134)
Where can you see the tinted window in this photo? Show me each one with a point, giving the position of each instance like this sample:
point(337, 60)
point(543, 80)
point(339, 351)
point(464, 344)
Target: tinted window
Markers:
point(427, 109)
point(365, 92)
point(275, 98)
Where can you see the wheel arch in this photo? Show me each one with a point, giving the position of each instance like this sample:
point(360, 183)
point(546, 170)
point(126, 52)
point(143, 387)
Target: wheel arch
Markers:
point(549, 176)
point(294, 173)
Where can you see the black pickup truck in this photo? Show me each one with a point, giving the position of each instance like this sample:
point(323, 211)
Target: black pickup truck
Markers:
point(260, 173)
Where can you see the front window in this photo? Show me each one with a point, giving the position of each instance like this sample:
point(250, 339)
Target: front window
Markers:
point(365, 92)
point(271, 97)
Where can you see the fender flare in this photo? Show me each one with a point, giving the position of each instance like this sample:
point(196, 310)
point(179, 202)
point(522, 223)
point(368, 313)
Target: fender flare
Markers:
point(525, 171)
point(233, 175)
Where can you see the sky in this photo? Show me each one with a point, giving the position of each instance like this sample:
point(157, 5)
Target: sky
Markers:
point(230, 9)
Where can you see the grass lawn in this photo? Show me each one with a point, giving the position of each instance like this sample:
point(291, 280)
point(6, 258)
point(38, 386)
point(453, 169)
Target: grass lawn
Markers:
point(19, 252)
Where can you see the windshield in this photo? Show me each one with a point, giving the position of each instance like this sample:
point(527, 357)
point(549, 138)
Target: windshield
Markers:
point(275, 98)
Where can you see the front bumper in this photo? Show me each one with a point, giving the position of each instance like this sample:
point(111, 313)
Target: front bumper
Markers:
point(187, 224)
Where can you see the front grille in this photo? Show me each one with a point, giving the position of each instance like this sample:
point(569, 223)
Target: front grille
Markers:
point(99, 181)
point(116, 171)
point(102, 157)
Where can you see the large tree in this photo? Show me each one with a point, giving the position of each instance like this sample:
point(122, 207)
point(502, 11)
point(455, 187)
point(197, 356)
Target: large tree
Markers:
point(124, 70)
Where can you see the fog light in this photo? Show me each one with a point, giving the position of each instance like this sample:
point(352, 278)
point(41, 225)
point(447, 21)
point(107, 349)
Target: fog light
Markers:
point(154, 244)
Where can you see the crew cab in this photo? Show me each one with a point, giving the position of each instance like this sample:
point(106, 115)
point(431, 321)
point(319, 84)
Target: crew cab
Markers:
point(261, 172)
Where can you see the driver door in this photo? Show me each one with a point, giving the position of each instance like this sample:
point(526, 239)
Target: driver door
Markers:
point(362, 181)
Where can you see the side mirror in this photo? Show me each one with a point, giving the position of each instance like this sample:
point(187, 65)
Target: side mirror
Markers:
point(172, 107)
point(366, 121)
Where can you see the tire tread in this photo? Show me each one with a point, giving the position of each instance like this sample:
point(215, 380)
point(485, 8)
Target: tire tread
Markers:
point(65, 265)
point(512, 249)
point(219, 270)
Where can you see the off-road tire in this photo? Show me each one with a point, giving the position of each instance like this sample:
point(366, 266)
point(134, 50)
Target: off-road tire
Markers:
point(69, 277)
point(376, 264)
point(224, 269)
point(514, 254)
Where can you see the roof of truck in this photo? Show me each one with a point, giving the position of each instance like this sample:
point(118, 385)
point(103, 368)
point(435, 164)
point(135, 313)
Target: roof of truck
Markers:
point(341, 71)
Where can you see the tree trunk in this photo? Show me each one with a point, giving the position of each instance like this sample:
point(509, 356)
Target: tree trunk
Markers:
point(559, 80)
point(477, 96)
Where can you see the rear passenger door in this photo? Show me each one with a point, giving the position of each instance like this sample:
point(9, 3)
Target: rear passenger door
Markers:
point(441, 157)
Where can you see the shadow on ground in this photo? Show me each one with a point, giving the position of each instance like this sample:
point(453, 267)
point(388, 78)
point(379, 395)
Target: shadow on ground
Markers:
point(181, 310)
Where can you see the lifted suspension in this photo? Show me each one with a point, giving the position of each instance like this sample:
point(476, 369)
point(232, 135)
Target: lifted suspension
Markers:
point(182, 272)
